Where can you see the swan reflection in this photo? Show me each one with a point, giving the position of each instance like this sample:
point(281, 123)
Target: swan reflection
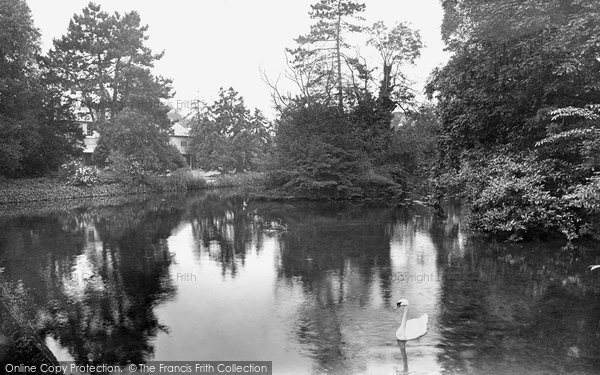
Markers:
point(402, 346)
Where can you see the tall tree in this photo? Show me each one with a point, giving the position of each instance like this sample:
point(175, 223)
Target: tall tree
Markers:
point(227, 136)
point(320, 55)
point(104, 62)
point(399, 46)
point(36, 129)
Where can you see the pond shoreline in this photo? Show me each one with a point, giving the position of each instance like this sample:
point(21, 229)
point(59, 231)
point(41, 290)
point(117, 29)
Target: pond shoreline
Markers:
point(45, 195)
point(49, 191)
point(46, 189)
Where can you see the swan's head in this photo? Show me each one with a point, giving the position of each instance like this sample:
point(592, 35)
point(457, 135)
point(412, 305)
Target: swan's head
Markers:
point(400, 303)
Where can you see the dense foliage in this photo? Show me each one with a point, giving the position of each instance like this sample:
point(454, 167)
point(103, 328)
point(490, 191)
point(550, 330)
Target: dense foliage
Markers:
point(101, 70)
point(37, 133)
point(227, 137)
point(319, 149)
point(103, 62)
point(518, 97)
point(334, 139)
point(413, 147)
point(134, 135)
point(515, 132)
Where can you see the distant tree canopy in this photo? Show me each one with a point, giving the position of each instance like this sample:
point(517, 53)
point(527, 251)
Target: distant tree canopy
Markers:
point(227, 137)
point(103, 62)
point(518, 101)
point(329, 70)
point(37, 132)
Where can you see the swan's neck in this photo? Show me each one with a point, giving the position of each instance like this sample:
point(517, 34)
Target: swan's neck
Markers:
point(404, 316)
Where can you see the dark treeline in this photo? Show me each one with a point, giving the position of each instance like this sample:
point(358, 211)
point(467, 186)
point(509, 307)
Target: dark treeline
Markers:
point(519, 139)
point(512, 127)
point(36, 128)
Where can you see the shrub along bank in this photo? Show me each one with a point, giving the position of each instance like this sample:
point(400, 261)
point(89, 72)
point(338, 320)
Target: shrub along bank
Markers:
point(286, 185)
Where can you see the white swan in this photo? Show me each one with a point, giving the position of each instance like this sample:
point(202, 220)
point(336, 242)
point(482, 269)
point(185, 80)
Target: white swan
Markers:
point(413, 328)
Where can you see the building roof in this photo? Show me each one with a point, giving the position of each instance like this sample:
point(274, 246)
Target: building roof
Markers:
point(180, 130)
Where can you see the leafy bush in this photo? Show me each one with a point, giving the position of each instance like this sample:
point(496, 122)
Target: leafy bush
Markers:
point(84, 175)
point(175, 158)
point(179, 180)
point(323, 153)
point(76, 173)
point(509, 197)
point(278, 177)
point(123, 169)
point(136, 135)
point(553, 189)
point(587, 195)
point(66, 170)
point(378, 184)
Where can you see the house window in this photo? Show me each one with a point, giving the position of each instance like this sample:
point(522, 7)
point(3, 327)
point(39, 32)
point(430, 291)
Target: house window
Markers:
point(89, 130)
point(184, 143)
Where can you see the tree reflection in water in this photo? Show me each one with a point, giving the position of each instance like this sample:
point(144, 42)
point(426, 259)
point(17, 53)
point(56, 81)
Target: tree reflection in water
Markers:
point(225, 227)
point(90, 278)
point(333, 251)
point(517, 308)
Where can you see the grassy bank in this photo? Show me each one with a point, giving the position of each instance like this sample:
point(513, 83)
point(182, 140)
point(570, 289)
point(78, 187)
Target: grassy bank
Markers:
point(265, 185)
point(248, 180)
point(52, 189)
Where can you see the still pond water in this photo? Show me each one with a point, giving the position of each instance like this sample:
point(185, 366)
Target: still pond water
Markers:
point(202, 277)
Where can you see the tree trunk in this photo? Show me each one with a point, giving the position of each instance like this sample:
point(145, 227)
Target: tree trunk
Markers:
point(386, 83)
point(339, 60)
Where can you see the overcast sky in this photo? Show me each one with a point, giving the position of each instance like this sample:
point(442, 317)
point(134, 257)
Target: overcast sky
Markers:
point(209, 44)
